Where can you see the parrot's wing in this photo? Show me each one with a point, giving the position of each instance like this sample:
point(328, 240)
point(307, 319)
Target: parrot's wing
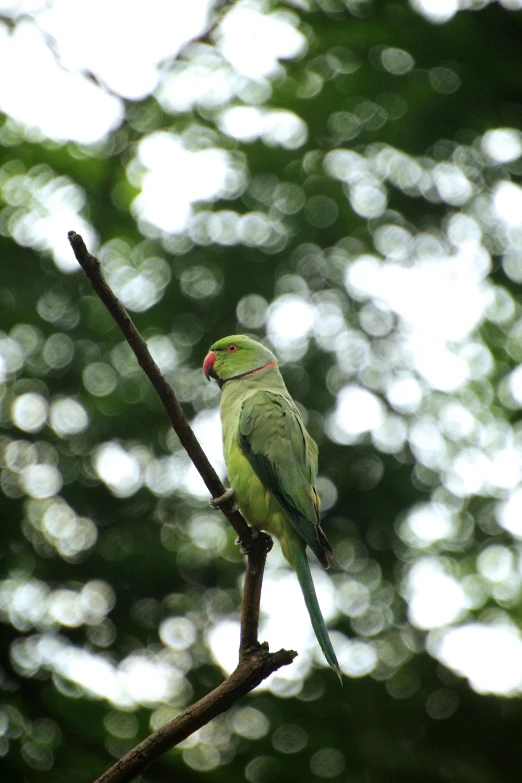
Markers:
point(283, 455)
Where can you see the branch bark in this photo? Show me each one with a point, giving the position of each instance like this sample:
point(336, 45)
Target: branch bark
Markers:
point(92, 268)
point(255, 661)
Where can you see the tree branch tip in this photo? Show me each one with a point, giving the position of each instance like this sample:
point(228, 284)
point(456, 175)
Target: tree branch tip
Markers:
point(281, 657)
point(78, 245)
point(290, 654)
point(259, 656)
point(275, 661)
point(89, 263)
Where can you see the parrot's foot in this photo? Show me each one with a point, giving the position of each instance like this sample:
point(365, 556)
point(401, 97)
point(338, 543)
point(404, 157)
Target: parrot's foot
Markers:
point(257, 535)
point(216, 503)
point(245, 548)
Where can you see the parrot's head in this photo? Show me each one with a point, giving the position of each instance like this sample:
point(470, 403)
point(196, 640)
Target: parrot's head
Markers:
point(236, 356)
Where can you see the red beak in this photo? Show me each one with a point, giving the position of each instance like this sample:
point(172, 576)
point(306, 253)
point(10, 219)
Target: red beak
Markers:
point(210, 358)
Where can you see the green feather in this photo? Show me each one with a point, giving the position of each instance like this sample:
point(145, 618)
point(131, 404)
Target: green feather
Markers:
point(284, 456)
point(296, 556)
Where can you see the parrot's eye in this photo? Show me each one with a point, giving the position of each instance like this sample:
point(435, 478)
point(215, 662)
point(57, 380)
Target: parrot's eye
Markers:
point(232, 348)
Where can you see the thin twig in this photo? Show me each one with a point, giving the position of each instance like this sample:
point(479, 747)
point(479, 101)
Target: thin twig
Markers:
point(92, 268)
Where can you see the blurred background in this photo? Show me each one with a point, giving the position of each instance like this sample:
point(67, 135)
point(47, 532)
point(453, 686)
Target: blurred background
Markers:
point(340, 179)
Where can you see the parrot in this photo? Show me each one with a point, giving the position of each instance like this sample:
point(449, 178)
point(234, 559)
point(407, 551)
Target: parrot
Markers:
point(271, 461)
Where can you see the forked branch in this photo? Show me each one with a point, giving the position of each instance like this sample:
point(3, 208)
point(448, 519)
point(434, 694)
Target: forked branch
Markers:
point(255, 661)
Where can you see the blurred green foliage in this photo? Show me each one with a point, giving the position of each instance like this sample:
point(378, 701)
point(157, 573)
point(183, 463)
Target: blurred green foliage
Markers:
point(369, 226)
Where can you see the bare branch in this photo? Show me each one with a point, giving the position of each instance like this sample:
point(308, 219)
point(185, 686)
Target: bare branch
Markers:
point(257, 552)
point(92, 268)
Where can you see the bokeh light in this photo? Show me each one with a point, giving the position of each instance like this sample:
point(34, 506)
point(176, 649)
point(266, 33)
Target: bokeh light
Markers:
point(386, 292)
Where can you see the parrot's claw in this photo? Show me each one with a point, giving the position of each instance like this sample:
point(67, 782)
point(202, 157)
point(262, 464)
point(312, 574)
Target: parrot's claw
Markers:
point(216, 503)
point(245, 548)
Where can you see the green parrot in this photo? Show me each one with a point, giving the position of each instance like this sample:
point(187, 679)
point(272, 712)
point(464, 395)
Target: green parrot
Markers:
point(271, 460)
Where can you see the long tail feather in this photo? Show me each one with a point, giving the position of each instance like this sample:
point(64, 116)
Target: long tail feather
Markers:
point(302, 569)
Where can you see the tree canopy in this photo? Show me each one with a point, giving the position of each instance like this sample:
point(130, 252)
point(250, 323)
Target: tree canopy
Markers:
point(340, 179)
